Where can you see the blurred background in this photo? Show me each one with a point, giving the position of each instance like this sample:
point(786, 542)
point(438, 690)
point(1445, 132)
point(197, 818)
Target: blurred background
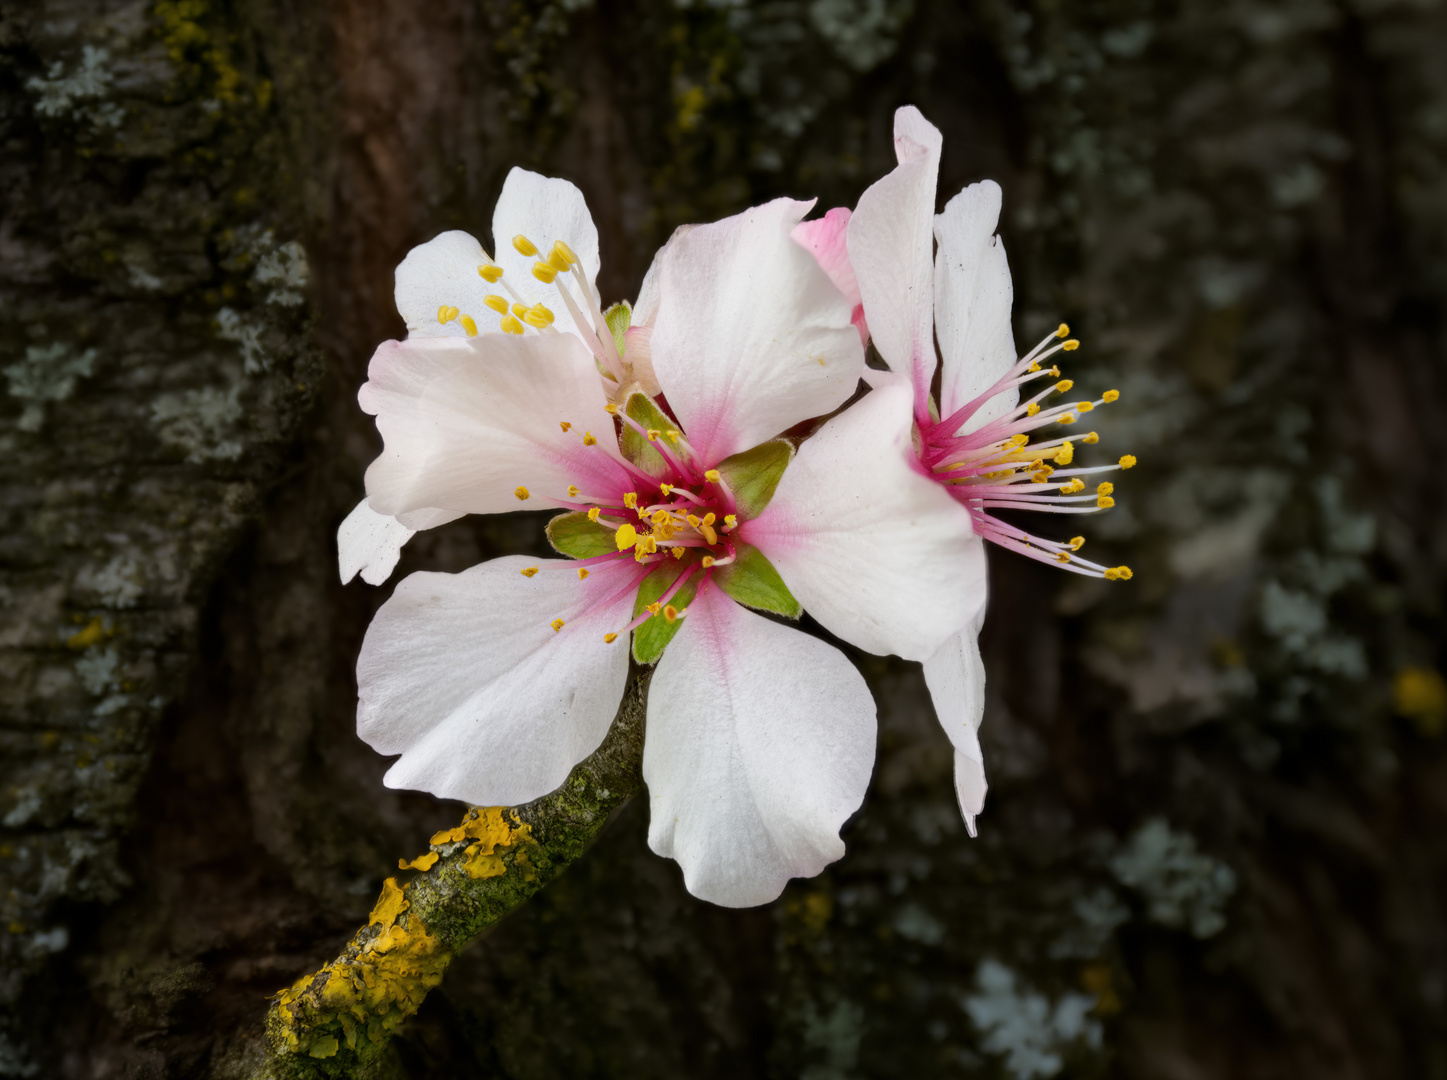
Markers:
point(1214, 844)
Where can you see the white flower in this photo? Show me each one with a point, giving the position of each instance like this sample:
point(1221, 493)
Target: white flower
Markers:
point(682, 513)
point(975, 444)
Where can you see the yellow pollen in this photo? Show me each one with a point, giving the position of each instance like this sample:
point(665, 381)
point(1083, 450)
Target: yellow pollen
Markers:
point(529, 571)
point(1064, 385)
point(630, 500)
point(1128, 461)
point(677, 552)
point(1031, 409)
point(608, 639)
point(1106, 488)
point(497, 303)
point(560, 248)
point(572, 491)
point(660, 517)
point(588, 439)
point(557, 624)
point(533, 318)
point(708, 560)
point(653, 434)
point(1071, 345)
point(654, 607)
point(1063, 331)
point(1105, 502)
point(1092, 438)
point(582, 572)
point(511, 325)
point(544, 273)
point(670, 613)
point(611, 409)
point(1071, 488)
point(1054, 371)
point(1062, 557)
point(521, 493)
point(1119, 573)
point(1085, 406)
point(673, 436)
point(1065, 454)
point(593, 514)
point(1034, 367)
point(1076, 543)
point(1110, 395)
point(665, 488)
point(1067, 418)
point(712, 476)
point(625, 537)
point(694, 521)
point(523, 246)
point(490, 273)
point(1017, 440)
point(468, 326)
point(730, 520)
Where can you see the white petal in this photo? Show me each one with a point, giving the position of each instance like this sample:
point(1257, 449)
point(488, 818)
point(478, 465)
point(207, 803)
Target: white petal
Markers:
point(370, 543)
point(760, 745)
point(973, 296)
point(956, 679)
point(464, 677)
point(443, 272)
point(890, 247)
point(544, 209)
point(878, 552)
point(645, 312)
point(751, 337)
point(468, 421)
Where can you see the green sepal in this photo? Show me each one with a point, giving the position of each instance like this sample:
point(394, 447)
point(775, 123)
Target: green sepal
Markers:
point(637, 448)
point(619, 317)
point(754, 474)
point(573, 534)
point(752, 580)
point(650, 638)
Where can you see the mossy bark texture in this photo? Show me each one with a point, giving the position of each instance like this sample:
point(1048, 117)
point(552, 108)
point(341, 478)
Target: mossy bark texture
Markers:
point(1214, 839)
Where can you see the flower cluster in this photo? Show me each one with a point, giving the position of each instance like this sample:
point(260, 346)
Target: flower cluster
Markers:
point(717, 473)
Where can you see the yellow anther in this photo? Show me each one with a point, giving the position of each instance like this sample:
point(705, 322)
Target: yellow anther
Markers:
point(1064, 385)
point(1063, 331)
point(730, 520)
point(523, 246)
point(1128, 461)
point(611, 409)
point(653, 607)
point(1105, 502)
point(1065, 454)
point(1071, 345)
point(1110, 395)
point(1034, 366)
point(708, 533)
point(1076, 543)
point(677, 552)
point(588, 439)
point(544, 273)
point(1066, 418)
point(511, 325)
point(521, 493)
point(630, 500)
point(529, 571)
point(557, 260)
point(1119, 573)
point(532, 318)
point(582, 572)
point(712, 476)
point(1091, 438)
point(1106, 488)
point(497, 303)
point(1017, 440)
point(541, 312)
point(565, 251)
point(1062, 557)
point(661, 517)
point(665, 488)
point(469, 327)
point(673, 436)
point(653, 434)
point(1071, 488)
point(694, 521)
point(670, 613)
point(1084, 406)
point(709, 518)
point(491, 273)
point(593, 514)
point(1054, 371)
point(519, 309)
point(572, 491)
point(708, 560)
point(1031, 409)
point(625, 537)
point(608, 639)
point(444, 314)
point(557, 624)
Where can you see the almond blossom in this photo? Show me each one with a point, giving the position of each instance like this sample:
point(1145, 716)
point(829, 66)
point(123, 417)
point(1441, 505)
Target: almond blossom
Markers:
point(685, 513)
point(921, 278)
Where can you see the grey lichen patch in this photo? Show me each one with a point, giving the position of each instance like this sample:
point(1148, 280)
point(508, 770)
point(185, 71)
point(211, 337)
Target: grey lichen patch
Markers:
point(278, 271)
point(200, 422)
point(116, 584)
point(48, 373)
point(1183, 887)
point(1031, 1033)
point(74, 89)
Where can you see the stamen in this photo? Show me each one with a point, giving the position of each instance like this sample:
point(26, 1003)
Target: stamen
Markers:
point(1062, 331)
point(573, 491)
point(1118, 573)
point(588, 439)
point(529, 571)
point(1128, 461)
point(671, 613)
point(510, 325)
point(565, 251)
point(608, 639)
point(565, 425)
point(1071, 345)
point(1110, 395)
point(497, 303)
point(557, 624)
point(523, 246)
point(582, 572)
point(626, 537)
point(544, 273)
point(1092, 438)
point(490, 274)
point(557, 260)
point(468, 326)
point(594, 512)
point(522, 493)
